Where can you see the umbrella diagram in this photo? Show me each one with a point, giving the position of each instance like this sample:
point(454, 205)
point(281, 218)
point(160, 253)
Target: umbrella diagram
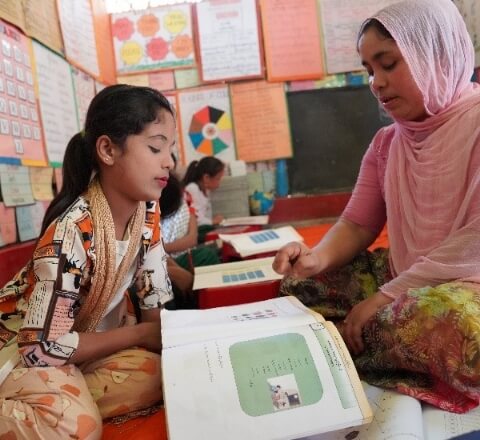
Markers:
point(210, 131)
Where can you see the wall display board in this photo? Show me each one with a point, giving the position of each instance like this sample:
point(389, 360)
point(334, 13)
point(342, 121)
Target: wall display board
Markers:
point(331, 130)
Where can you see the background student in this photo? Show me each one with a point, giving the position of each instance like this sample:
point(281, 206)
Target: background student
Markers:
point(411, 317)
point(99, 237)
point(179, 229)
point(200, 179)
point(179, 235)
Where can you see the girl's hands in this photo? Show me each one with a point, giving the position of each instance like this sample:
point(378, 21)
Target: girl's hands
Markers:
point(357, 318)
point(297, 260)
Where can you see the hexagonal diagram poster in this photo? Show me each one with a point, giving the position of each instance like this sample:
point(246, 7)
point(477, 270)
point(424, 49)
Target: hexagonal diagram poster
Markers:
point(206, 124)
point(152, 39)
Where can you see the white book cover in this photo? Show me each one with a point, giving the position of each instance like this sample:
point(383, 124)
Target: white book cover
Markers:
point(234, 274)
point(249, 220)
point(258, 242)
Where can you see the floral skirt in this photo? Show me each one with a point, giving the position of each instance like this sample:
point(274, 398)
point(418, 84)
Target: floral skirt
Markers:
point(425, 344)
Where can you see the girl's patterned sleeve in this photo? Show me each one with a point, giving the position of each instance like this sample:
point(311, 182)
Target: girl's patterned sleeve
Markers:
point(46, 337)
point(153, 287)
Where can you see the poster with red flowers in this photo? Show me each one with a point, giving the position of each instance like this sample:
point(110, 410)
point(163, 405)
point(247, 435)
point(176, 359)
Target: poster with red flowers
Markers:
point(152, 39)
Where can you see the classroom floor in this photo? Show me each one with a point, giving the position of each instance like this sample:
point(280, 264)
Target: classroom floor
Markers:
point(154, 427)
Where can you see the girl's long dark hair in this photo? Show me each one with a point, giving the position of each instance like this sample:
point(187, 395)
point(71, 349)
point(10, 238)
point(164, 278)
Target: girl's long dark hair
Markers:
point(117, 111)
point(172, 196)
point(198, 168)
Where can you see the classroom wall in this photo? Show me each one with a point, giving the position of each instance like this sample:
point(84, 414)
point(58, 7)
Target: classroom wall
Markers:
point(247, 81)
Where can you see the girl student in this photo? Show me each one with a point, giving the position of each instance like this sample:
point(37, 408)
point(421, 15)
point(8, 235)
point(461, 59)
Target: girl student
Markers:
point(200, 179)
point(411, 317)
point(179, 229)
point(82, 357)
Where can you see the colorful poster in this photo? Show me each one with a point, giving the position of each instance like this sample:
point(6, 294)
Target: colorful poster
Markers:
point(57, 102)
point(291, 35)
point(20, 131)
point(84, 86)
point(341, 23)
point(8, 227)
point(29, 220)
point(157, 38)
point(229, 41)
point(15, 185)
point(261, 121)
point(206, 124)
point(41, 179)
point(79, 40)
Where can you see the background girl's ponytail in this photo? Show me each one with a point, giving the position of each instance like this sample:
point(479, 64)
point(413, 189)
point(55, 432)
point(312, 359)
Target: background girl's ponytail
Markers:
point(191, 175)
point(209, 165)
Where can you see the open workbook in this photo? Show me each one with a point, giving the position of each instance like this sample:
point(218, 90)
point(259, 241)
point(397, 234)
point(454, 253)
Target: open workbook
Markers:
point(265, 370)
point(400, 417)
point(258, 242)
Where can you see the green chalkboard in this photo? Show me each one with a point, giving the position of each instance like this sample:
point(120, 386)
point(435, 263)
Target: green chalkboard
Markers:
point(331, 130)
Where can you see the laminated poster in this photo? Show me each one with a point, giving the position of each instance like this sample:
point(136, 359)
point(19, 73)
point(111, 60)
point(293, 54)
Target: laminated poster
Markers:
point(206, 124)
point(157, 38)
point(20, 131)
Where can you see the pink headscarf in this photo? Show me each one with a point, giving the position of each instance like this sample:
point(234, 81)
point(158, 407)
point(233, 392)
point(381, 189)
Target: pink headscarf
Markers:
point(432, 181)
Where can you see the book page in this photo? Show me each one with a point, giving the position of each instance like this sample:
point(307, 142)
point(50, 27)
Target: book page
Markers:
point(258, 242)
point(395, 417)
point(443, 425)
point(189, 326)
point(234, 274)
point(272, 384)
